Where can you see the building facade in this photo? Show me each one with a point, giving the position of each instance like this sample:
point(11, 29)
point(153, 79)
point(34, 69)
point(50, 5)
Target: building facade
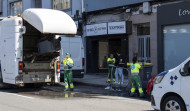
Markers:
point(132, 27)
point(127, 26)
point(13, 7)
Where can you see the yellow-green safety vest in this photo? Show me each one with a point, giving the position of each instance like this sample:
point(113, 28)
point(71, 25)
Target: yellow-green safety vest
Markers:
point(69, 60)
point(135, 68)
point(111, 59)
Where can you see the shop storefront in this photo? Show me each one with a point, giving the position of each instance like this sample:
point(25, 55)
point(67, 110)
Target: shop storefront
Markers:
point(173, 35)
point(103, 39)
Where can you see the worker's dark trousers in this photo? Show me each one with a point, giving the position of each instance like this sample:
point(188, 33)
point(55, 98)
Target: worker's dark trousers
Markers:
point(111, 72)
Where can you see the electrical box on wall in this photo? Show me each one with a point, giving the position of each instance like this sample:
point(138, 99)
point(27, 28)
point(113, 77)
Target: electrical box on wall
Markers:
point(146, 7)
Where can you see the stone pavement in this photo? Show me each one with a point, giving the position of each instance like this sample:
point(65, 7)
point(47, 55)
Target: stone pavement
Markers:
point(97, 80)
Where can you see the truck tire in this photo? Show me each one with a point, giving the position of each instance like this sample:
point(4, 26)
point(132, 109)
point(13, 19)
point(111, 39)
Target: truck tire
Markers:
point(1, 80)
point(173, 103)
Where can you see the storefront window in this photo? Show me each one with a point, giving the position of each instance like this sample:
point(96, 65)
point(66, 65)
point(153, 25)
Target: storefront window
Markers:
point(143, 29)
point(61, 4)
point(176, 45)
point(103, 53)
point(143, 32)
point(16, 8)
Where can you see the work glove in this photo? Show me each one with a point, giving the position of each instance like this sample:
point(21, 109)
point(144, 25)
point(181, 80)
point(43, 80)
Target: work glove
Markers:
point(142, 63)
point(67, 64)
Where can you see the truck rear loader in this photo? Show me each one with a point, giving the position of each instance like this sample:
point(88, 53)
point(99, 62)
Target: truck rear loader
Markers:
point(29, 46)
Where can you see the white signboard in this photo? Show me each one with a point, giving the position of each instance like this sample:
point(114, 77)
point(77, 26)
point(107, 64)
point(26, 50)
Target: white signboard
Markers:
point(117, 27)
point(96, 29)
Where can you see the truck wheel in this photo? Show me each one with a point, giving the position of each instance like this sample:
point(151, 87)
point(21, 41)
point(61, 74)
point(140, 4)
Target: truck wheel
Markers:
point(173, 103)
point(1, 81)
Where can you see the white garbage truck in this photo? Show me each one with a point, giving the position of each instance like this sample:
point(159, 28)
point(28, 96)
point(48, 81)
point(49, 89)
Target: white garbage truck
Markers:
point(29, 46)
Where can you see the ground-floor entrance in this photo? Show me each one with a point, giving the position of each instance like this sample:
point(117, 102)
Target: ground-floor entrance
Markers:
point(100, 47)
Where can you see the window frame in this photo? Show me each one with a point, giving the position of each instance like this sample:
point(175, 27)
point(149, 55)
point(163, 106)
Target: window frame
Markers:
point(144, 52)
point(10, 7)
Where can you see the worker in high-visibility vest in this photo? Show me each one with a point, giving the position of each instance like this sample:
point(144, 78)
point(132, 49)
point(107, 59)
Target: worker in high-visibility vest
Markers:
point(111, 69)
point(135, 78)
point(68, 64)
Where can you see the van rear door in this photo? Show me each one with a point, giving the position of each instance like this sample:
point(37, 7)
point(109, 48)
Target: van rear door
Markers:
point(74, 46)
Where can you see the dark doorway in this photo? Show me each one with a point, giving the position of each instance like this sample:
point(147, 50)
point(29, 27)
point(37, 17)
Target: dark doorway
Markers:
point(114, 46)
point(99, 48)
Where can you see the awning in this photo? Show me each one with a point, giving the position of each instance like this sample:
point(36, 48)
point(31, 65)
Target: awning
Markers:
point(50, 21)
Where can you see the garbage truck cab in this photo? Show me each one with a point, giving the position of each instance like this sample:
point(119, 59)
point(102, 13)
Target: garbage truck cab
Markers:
point(171, 89)
point(29, 47)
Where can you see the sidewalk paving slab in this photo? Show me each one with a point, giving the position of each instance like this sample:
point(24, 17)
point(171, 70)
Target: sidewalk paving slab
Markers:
point(98, 80)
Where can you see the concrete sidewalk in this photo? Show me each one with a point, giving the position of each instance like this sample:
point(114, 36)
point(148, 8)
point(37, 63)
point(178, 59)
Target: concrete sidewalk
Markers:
point(97, 80)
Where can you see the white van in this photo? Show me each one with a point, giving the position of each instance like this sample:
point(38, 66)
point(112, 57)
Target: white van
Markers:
point(73, 45)
point(171, 90)
point(29, 47)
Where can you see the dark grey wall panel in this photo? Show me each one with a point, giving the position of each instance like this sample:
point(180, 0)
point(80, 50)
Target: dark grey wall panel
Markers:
point(173, 14)
point(94, 5)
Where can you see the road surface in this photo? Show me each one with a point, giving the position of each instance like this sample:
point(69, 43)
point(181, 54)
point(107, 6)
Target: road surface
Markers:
point(83, 98)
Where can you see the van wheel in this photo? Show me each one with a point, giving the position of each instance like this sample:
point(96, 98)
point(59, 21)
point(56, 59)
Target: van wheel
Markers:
point(173, 103)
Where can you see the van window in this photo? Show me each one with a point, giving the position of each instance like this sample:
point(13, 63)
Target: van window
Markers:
point(186, 69)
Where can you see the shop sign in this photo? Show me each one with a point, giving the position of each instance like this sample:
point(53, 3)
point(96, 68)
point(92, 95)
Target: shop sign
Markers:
point(184, 12)
point(117, 27)
point(96, 29)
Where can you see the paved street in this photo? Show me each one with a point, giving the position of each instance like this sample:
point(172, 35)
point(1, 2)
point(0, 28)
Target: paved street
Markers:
point(84, 98)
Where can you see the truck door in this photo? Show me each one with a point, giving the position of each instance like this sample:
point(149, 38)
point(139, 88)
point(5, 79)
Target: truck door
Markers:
point(8, 60)
point(11, 49)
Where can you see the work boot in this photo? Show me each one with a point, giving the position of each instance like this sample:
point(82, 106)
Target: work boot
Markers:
point(108, 87)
